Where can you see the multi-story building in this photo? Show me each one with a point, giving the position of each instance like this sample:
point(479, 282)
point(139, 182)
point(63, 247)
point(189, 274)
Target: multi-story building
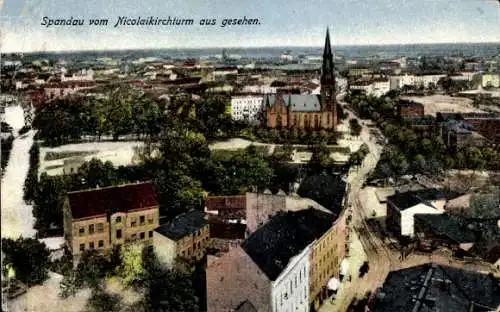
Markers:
point(425, 81)
point(102, 218)
point(325, 258)
point(310, 111)
point(272, 267)
point(185, 238)
point(247, 108)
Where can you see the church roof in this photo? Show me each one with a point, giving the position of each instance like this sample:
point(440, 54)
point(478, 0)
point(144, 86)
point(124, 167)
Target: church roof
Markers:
point(297, 102)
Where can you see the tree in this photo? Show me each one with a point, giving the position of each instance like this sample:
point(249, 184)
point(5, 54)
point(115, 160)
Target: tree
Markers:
point(168, 290)
point(326, 190)
point(101, 300)
point(131, 268)
point(355, 127)
point(28, 257)
point(96, 173)
point(320, 155)
point(118, 112)
point(49, 197)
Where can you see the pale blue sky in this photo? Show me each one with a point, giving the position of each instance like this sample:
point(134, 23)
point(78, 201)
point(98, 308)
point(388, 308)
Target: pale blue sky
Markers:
point(283, 23)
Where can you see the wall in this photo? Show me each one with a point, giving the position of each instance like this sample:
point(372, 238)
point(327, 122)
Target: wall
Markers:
point(193, 246)
point(407, 218)
point(290, 291)
point(86, 238)
point(260, 207)
point(234, 278)
point(165, 249)
point(325, 262)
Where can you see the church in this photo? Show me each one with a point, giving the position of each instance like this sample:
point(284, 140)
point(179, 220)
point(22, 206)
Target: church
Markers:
point(306, 111)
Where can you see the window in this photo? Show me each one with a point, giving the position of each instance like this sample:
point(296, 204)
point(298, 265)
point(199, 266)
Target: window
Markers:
point(82, 247)
point(101, 243)
point(118, 234)
point(91, 229)
point(133, 236)
point(100, 227)
point(81, 231)
point(142, 220)
point(151, 219)
point(133, 223)
point(118, 219)
point(143, 235)
point(91, 245)
point(150, 234)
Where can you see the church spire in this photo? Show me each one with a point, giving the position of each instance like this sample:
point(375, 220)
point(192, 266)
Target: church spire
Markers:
point(328, 47)
point(327, 68)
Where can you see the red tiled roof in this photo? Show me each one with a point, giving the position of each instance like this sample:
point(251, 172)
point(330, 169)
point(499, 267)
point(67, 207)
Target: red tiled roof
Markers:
point(226, 202)
point(122, 198)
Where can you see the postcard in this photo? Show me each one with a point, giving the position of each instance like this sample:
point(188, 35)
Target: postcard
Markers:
point(266, 156)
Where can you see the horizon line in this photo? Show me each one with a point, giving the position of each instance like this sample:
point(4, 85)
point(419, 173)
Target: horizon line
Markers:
point(243, 47)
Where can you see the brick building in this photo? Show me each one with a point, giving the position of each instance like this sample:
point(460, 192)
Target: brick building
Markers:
point(408, 108)
point(272, 267)
point(307, 111)
point(186, 237)
point(102, 218)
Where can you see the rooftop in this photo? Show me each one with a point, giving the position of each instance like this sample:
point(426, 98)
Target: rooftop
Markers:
point(297, 102)
point(431, 287)
point(101, 201)
point(412, 198)
point(285, 235)
point(183, 225)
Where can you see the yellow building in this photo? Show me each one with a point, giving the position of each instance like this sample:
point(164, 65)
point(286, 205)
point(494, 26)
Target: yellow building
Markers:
point(325, 257)
point(185, 238)
point(490, 81)
point(102, 218)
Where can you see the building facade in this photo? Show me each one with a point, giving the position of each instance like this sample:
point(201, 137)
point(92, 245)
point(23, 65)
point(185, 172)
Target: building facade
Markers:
point(290, 291)
point(307, 111)
point(247, 108)
point(185, 238)
point(103, 218)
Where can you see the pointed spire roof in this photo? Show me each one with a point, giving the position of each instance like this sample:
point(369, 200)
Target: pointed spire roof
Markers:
point(328, 47)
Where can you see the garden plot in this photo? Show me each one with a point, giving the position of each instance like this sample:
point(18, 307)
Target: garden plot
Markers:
point(119, 153)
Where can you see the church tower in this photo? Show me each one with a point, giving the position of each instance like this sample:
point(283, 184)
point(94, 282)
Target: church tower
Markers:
point(328, 92)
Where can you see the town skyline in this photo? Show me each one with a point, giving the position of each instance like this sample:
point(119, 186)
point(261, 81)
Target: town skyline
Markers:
point(350, 24)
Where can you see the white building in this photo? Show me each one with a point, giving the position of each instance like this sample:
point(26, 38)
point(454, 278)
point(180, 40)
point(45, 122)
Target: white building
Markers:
point(290, 291)
point(83, 75)
point(247, 107)
point(376, 88)
point(402, 207)
point(397, 82)
point(260, 89)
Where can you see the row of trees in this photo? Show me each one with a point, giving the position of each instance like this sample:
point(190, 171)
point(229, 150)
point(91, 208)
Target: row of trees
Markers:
point(412, 152)
point(120, 112)
point(289, 136)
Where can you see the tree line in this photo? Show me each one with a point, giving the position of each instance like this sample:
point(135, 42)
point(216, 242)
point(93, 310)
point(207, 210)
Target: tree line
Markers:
point(412, 152)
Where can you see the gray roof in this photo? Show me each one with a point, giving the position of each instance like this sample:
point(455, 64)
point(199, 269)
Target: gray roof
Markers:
point(431, 287)
point(182, 225)
point(297, 102)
